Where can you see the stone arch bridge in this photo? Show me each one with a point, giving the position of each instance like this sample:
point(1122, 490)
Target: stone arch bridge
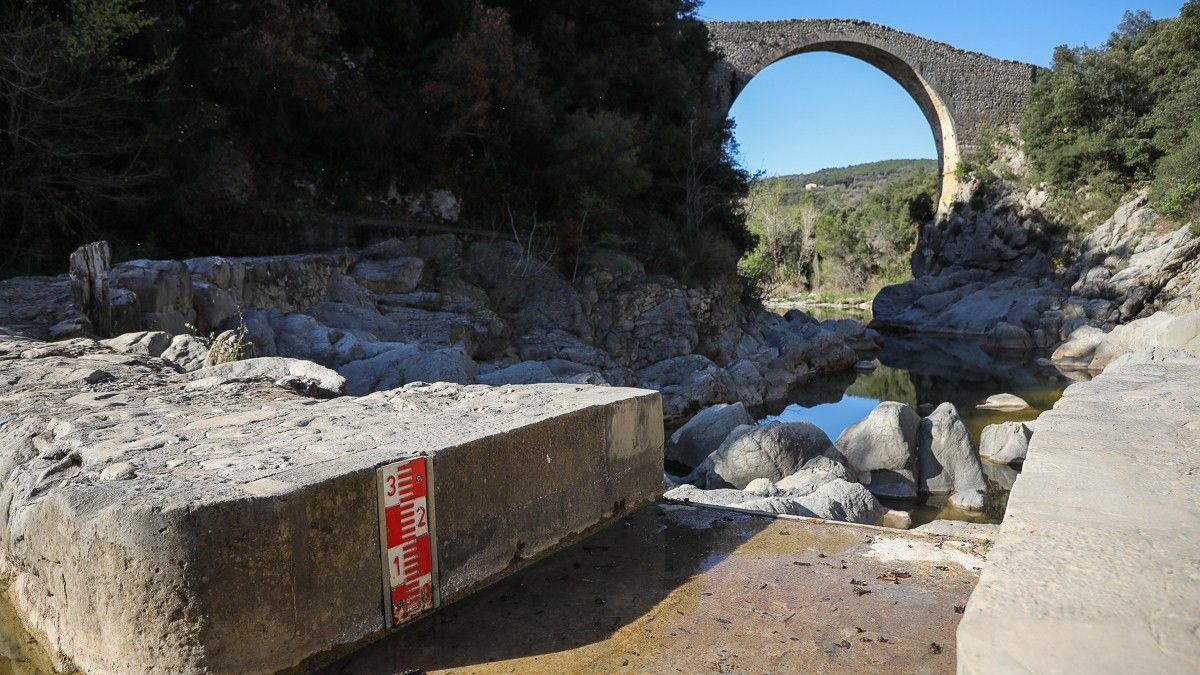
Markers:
point(961, 93)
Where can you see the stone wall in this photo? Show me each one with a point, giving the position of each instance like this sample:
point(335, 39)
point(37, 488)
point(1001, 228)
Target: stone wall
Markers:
point(963, 94)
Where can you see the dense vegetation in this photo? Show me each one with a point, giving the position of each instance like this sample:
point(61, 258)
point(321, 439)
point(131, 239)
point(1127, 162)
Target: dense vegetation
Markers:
point(853, 234)
point(204, 127)
point(1106, 120)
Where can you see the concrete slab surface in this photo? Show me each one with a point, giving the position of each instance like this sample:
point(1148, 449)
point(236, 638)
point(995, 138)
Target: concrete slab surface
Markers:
point(151, 527)
point(687, 589)
point(1096, 568)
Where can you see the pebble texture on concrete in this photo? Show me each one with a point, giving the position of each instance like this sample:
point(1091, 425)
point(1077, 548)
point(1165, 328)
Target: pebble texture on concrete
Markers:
point(153, 527)
point(1097, 565)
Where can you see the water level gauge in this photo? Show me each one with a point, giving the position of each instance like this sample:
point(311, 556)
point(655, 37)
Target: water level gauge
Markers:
point(406, 537)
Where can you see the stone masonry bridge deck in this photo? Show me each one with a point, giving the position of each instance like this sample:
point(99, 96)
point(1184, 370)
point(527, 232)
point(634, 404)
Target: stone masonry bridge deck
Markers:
point(963, 94)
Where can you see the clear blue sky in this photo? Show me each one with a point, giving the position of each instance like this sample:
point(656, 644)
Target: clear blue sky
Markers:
point(819, 110)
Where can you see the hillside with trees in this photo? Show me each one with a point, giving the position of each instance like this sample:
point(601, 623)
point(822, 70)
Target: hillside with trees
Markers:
point(1108, 120)
point(838, 231)
point(209, 128)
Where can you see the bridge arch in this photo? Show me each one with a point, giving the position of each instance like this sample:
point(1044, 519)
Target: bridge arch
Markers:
point(962, 94)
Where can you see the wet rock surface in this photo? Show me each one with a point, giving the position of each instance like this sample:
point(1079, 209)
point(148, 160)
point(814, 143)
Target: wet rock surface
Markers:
point(690, 589)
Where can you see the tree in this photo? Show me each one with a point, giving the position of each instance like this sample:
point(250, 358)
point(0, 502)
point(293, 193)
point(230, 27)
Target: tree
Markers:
point(74, 130)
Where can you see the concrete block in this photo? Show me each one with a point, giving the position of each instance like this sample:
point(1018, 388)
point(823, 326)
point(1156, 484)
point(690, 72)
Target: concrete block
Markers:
point(1095, 566)
point(243, 534)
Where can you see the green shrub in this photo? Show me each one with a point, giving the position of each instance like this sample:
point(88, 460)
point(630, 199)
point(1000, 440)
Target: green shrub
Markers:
point(1104, 121)
point(844, 238)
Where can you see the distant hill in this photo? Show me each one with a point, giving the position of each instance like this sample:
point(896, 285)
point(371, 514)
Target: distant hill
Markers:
point(855, 179)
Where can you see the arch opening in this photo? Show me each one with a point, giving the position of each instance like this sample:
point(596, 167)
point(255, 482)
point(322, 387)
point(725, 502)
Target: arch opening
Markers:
point(918, 88)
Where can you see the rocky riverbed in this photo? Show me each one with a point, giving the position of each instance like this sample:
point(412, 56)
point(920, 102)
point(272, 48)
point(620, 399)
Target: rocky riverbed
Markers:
point(441, 308)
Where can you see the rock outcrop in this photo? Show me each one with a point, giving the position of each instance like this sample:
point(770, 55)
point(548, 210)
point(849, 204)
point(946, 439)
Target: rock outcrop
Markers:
point(437, 308)
point(1091, 349)
point(992, 269)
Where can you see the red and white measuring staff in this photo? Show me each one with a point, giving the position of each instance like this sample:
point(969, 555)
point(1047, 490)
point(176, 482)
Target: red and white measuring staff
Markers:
point(406, 539)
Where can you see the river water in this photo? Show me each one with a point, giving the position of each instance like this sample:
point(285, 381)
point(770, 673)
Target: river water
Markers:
point(928, 371)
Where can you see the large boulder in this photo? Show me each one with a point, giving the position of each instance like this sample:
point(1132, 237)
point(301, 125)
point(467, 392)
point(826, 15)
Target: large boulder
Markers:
point(146, 343)
point(948, 460)
point(1079, 349)
point(993, 306)
point(213, 305)
point(396, 364)
point(688, 383)
point(303, 337)
point(704, 433)
point(362, 321)
point(1005, 443)
point(882, 449)
point(344, 289)
point(770, 451)
point(292, 373)
point(186, 351)
point(163, 289)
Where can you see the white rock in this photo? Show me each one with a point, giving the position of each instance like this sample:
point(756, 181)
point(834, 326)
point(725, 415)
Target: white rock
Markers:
point(1005, 443)
point(274, 369)
point(186, 351)
point(146, 342)
point(969, 500)
point(1004, 402)
point(118, 471)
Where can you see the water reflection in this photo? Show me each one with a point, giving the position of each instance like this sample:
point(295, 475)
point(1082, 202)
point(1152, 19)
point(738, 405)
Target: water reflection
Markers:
point(924, 372)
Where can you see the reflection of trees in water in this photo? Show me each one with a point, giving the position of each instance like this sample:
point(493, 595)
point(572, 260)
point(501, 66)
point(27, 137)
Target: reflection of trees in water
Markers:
point(961, 371)
point(886, 384)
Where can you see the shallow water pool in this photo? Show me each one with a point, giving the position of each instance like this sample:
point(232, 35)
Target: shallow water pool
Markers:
point(926, 371)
